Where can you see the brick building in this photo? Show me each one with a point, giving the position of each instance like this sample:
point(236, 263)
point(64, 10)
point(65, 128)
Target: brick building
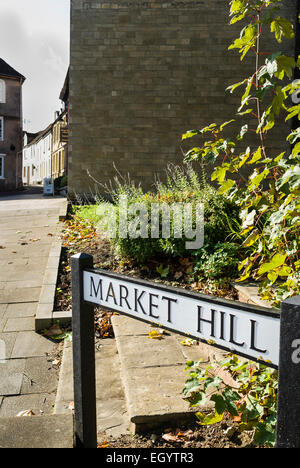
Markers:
point(11, 135)
point(142, 74)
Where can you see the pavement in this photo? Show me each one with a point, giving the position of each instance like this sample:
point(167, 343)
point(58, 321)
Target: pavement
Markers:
point(28, 381)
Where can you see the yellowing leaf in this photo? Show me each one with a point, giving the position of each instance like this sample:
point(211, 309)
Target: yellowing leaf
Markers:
point(254, 236)
point(156, 334)
point(211, 418)
point(275, 262)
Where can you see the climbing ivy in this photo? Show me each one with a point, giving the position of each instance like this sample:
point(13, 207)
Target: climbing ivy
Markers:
point(269, 195)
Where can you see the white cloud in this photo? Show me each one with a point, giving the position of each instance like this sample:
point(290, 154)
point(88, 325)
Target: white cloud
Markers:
point(35, 41)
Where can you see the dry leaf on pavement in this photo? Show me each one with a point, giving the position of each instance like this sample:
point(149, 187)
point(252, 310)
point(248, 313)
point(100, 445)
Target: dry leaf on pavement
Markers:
point(25, 413)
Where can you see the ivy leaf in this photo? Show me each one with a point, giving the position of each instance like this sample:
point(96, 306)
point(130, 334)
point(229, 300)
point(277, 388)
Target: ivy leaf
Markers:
point(281, 27)
point(243, 131)
point(272, 276)
point(163, 271)
point(256, 156)
point(206, 420)
point(226, 123)
point(219, 174)
point(278, 100)
point(235, 85)
point(220, 404)
point(190, 134)
point(275, 262)
point(286, 66)
point(226, 186)
point(251, 239)
point(245, 41)
point(257, 178)
point(249, 220)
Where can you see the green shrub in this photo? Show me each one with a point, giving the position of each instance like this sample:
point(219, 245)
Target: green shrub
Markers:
point(183, 185)
point(218, 261)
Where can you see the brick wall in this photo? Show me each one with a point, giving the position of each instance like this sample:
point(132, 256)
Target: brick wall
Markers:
point(144, 72)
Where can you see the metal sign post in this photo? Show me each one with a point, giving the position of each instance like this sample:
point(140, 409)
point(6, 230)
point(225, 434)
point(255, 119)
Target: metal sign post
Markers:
point(257, 333)
point(288, 404)
point(83, 357)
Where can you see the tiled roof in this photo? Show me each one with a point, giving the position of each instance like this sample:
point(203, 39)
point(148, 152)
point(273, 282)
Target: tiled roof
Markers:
point(7, 70)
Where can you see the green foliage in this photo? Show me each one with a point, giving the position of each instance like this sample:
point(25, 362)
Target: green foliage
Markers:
point(182, 185)
point(60, 182)
point(269, 197)
point(216, 261)
point(251, 401)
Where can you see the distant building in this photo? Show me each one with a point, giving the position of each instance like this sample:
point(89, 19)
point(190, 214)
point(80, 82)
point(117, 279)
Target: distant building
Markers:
point(11, 83)
point(60, 150)
point(45, 154)
point(59, 145)
point(37, 156)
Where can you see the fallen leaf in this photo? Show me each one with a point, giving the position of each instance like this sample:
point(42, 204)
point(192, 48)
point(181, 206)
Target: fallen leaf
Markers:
point(156, 334)
point(171, 438)
point(54, 331)
point(71, 405)
point(178, 274)
point(103, 445)
point(188, 342)
point(25, 413)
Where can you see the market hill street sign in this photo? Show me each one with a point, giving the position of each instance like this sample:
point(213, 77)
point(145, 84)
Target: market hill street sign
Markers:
point(257, 333)
point(245, 330)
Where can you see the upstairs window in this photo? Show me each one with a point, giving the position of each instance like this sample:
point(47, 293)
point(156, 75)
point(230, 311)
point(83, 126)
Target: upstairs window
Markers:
point(1, 166)
point(2, 91)
point(1, 128)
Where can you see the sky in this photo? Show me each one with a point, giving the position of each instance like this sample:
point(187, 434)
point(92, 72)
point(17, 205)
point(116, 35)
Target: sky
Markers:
point(34, 39)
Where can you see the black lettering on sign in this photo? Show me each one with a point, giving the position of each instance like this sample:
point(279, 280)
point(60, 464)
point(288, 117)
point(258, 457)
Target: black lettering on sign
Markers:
point(222, 323)
point(137, 301)
point(231, 339)
point(253, 337)
point(124, 297)
point(111, 293)
point(211, 321)
point(93, 288)
point(169, 299)
point(151, 305)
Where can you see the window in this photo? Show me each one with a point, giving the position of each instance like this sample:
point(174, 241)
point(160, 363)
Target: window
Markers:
point(2, 156)
point(2, 91)
point(1, 128)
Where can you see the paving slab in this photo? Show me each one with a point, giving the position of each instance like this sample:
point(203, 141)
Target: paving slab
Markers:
point(39, 376)
point(30, 283)
point(21, 310)
point(9, 340)
point(19, 324)
point(11, 377)
point(249, 293)
point(39, 403)
point(55, 431)
point(30, 344)
point(21, 295)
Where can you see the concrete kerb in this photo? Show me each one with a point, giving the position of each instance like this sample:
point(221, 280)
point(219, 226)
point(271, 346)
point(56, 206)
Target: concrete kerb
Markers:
point(46, 315)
